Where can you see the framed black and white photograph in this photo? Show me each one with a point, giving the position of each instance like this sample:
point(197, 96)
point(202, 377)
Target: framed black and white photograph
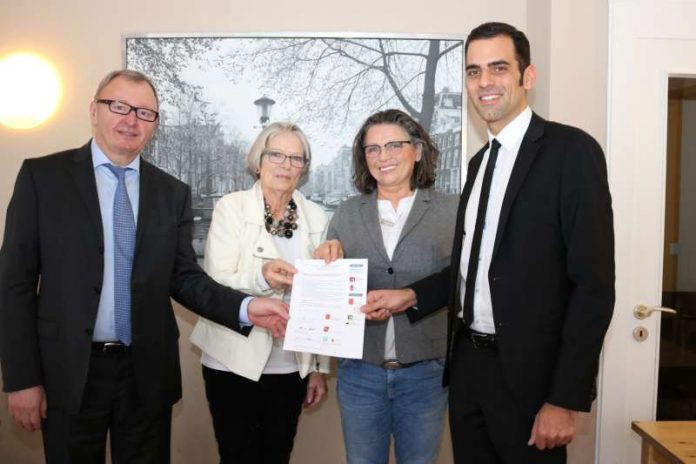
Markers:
point(218, 92)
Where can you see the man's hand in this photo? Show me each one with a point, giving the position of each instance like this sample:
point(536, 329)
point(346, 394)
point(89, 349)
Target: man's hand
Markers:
point(330, 250)
point(27, 407)
point(553, 426)
point(316, 389)
point(278, 273)
point(381, 304)
point(269, 313)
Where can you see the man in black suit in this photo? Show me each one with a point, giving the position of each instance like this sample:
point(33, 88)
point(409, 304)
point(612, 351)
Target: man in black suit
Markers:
point(96, 241)
point(531, 283)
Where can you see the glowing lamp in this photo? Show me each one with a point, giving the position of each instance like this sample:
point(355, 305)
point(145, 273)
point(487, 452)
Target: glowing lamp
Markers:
point(30, 90)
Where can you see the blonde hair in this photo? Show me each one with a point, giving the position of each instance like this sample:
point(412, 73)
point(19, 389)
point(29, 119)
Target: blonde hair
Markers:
point(253, 159)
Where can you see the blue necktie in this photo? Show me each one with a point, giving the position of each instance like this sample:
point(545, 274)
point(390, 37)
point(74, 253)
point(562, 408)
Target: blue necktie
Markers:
point(472, 271)
point(124, 248)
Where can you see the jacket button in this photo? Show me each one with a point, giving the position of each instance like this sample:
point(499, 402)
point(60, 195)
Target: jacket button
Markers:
point(97, 289)
point(101, 249)
point(89, 332)
point(390, 270)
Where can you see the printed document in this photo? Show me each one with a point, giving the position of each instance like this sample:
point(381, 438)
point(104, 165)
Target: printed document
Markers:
point(325, 315)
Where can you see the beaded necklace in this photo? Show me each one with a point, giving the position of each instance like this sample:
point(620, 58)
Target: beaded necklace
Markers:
point(284, 226)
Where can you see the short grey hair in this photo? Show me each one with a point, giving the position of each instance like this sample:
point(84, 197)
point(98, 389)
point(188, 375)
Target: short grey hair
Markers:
point(253, 159)
point(130, 75)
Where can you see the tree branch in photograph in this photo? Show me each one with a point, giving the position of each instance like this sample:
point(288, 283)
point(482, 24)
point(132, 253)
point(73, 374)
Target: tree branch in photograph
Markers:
point(336, 76)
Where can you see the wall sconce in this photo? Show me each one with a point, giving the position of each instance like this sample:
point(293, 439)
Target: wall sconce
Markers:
point(30, 90)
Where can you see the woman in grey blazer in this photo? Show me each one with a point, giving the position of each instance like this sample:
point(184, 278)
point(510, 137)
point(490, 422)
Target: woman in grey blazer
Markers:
point(404, 228)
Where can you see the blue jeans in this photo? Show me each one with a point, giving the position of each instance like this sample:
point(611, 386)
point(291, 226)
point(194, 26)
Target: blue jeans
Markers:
point(376, 403)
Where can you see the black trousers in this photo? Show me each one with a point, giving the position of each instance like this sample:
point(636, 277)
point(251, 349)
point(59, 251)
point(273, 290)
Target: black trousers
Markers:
point(487, 424)
point(110, 404)
point(255, 422)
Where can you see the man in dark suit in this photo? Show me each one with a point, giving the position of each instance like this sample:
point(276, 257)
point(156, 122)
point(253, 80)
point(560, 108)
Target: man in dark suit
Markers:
point(96, 241)
point(531, 283)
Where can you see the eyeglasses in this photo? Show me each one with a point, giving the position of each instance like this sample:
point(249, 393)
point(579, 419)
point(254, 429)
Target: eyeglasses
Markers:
point(392, 148)
point(119, 107)
point(277, 157)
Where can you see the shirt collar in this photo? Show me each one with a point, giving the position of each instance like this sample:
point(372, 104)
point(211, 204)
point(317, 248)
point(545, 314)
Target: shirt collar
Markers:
point(99, 158)
point(403, 202)
point(512, 134)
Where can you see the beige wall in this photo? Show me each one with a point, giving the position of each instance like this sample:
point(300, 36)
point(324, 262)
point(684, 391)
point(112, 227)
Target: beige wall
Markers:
point(578, 65)
point(83, 39)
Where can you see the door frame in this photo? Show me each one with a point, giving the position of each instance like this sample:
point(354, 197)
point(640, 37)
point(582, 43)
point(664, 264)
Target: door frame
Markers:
point(649, 41)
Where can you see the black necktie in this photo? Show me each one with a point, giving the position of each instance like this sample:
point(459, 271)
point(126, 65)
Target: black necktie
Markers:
point(471, 272)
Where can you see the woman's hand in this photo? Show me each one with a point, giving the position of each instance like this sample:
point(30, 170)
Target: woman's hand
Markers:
point(278, 273)
point(330, 250)
point(316, 389)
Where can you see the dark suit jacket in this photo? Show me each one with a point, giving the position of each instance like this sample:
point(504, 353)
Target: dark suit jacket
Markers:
point(51, 268)
point(552, 269)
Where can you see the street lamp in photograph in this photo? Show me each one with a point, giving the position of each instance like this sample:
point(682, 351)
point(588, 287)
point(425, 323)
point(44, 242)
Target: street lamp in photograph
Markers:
point(264, 105)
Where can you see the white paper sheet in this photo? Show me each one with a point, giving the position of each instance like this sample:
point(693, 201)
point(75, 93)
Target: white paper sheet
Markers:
point(325, 315)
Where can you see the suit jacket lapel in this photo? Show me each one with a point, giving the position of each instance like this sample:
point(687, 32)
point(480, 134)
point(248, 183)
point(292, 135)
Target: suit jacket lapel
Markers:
point(370, 218)
point(525, 158)
point(82, 172)
point(146, 202)
point(421, 203)
point(472, 171)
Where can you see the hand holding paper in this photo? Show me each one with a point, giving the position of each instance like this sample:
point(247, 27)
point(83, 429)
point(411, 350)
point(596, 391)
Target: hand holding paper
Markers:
point(330, 250)
point(278, 273)
point(269, 313)
point(381, 304)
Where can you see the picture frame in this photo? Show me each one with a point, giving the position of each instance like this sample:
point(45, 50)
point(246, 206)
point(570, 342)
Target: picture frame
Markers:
point(217, 91)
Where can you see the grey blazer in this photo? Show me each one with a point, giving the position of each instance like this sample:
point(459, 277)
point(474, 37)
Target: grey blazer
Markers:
point(424, 247)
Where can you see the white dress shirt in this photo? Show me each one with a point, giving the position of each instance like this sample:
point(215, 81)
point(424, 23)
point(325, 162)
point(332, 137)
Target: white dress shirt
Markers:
point(510, 139)
point(105, 325)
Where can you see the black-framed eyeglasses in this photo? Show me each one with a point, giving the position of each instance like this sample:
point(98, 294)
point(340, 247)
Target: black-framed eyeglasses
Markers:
point(277, 157)
point(120, 107)
point(392, 148)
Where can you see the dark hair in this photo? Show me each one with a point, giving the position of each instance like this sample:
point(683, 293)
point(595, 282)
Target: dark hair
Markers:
point(520, 41)
point(424, 171)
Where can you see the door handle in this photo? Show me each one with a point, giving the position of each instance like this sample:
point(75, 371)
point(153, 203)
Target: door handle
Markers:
point(642, 311)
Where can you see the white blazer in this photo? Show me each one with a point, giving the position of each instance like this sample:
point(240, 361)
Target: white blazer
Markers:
point(237, 247)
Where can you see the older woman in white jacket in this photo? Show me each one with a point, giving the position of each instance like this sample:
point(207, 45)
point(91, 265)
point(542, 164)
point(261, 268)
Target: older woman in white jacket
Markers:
point(255, 389)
